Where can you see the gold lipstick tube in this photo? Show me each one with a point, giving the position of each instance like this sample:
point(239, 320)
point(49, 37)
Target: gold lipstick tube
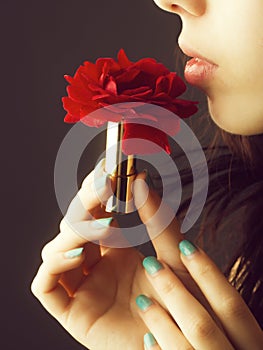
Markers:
point(122, 170)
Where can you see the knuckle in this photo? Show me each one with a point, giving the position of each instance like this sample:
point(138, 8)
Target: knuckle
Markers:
point(85, 182)
point(233, 307)
point(205, 270)
point(168, 286)
point(46, 251)
point(203, 328)
point(66, 226)
point(35, 288)
point(63, 225)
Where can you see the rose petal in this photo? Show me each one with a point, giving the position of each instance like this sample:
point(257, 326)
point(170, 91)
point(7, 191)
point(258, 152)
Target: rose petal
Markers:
point(177, 86)
point(106, 65)
point(90, 71)
point(96, 88)
point(126, 77)
point(72, 107)
point(136, 90)
point(152, 67)
point(69, 79)
point(146, 82)
point(79, 94)
point(162, 85)
point(71, 119)
point(132, 145)
point(123, 60)
point(111, 87)
point(99, 97)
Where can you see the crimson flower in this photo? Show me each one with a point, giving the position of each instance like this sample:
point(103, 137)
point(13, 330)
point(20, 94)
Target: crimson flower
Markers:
point(129, 85)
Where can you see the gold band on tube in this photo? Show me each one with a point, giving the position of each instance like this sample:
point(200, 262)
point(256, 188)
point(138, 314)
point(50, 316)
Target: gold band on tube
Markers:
point(122, 170)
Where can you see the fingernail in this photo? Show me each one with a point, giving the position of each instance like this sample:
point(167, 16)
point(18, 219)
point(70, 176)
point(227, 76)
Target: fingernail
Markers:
point(101, 181)
point(149, 340)
point(187, 248)
point(74, 253)
point(140, 190)
point(143, 302)
point(101, 223)
point(152, 265)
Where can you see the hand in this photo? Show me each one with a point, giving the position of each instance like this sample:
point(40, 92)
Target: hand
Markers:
point(89, 288)
point(187, 324)
point(196, 307)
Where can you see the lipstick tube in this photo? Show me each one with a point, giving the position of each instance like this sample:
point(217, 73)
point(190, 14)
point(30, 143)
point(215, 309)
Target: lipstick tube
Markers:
point(121, 169)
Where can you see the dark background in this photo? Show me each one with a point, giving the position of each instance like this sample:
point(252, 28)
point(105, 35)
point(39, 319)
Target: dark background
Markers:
point(41, 41)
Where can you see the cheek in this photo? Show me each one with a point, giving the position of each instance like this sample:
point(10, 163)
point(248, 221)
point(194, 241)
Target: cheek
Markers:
point(236, 96)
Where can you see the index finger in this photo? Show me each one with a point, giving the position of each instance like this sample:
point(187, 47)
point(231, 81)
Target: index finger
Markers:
point(154, 213)
point(94, 191)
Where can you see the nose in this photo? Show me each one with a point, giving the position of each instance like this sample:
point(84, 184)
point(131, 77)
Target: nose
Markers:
point(181, 7)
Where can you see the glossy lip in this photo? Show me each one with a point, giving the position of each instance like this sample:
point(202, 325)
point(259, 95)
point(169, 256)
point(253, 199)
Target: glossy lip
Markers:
point(199, 70)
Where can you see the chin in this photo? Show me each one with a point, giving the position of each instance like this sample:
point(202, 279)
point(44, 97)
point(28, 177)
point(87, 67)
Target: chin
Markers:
point(235, 121)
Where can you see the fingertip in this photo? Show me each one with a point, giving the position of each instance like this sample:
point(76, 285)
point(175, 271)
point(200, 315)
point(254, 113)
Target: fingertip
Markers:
point(149, 341)
point(73, 253)
point(140, 190)
point(142, 175)
point(187, 248)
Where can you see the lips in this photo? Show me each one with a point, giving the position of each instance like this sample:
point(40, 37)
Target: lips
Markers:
point(199, 70)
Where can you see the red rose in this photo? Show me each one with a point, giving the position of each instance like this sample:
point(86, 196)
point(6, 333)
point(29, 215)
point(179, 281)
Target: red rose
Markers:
point(108, 82)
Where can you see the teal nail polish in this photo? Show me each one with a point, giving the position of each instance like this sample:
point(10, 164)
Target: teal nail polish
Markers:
point(143, 302)
point(152, 265)
point(74, 253)
point(149, 340)
point(101, 223)
point(187, 248)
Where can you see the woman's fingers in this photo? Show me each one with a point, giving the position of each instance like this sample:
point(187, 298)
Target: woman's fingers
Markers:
point(46, 286)
point(77, 234)
point(150, 342)
point(192, 318)
point(160, 221)
point(161, 325)
point(236, 318)
point(61, 273)
point(94, 192)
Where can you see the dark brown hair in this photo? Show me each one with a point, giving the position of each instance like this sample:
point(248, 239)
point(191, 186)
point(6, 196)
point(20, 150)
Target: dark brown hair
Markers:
point(235, 187)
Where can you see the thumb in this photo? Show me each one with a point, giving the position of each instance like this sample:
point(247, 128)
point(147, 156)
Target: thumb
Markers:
point(160, 221)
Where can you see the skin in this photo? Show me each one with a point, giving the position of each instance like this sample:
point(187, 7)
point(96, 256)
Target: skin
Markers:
point(228, 33)
point(93, 295)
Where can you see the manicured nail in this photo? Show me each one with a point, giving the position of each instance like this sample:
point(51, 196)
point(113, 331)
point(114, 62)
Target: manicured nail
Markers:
point(152, 265)
point(143, 302)
point(101, 181)
point(187, 248)
point(149, 340)
point(101, 223)
point(74, 253)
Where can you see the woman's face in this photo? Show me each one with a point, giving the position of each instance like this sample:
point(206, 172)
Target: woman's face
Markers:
point(229, 34)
